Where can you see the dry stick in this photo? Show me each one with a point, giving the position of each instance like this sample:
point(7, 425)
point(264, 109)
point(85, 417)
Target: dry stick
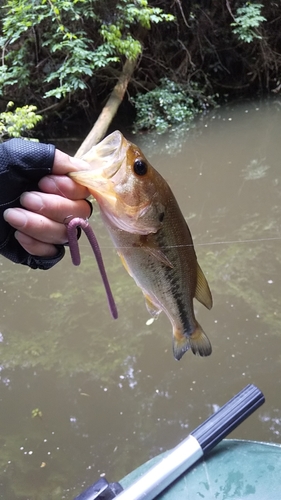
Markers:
point(75, 255)
point(110, 109)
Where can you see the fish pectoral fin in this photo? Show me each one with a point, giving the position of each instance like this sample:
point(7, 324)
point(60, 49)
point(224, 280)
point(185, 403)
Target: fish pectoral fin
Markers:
point(148, 245)
point(159, 255)
point(203, 292)
point(152, 308)
point(198, 342)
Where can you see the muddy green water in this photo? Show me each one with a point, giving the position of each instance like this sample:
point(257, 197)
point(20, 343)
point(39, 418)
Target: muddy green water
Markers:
point(108, 395)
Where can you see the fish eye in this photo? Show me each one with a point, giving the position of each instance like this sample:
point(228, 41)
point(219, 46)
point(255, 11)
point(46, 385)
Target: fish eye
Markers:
point(140, 167)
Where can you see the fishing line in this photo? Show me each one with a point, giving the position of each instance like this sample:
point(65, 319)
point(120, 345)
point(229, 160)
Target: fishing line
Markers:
point(258, 240)
point(227, 242)
point(211, 243)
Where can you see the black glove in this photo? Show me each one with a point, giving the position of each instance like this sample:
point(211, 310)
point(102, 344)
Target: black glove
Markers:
point(22, 164)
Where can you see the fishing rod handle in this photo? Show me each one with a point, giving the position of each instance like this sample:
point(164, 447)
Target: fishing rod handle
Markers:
point(161, 475)
point(191, 449)
point(228, 417)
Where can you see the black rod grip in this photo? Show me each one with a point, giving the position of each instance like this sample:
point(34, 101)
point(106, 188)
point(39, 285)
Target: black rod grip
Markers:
point(228, 417)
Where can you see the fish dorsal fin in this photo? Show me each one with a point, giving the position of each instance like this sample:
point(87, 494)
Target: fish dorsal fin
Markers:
point(202, 292)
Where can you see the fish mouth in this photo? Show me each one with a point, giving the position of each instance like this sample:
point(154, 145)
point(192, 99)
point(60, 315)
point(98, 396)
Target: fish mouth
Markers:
point(106, 158)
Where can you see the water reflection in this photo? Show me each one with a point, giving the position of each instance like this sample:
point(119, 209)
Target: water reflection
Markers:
point(109, 392)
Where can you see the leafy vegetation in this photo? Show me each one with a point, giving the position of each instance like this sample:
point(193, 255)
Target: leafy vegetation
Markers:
point(170, 104)
point(69, 41)
point(65, 57)
point(19, 122)
point(248, 18)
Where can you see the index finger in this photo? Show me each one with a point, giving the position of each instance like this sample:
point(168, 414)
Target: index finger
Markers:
point(63, 163)
point(63, 186)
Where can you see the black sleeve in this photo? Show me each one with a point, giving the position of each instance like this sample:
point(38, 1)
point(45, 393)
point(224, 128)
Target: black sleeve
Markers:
point(22, 164)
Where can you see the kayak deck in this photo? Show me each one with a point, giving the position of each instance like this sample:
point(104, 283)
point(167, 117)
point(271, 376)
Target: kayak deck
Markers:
point(235, 469)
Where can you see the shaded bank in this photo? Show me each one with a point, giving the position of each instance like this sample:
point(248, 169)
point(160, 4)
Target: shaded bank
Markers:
point(66, 59)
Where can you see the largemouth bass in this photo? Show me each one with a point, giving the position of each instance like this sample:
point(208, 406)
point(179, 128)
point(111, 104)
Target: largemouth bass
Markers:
point(151, 236)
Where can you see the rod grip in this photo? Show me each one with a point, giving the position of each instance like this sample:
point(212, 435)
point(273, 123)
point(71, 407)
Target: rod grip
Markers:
point(228, 417)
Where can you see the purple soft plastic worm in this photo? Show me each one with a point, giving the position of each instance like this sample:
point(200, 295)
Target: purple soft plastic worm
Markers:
point(71, 227)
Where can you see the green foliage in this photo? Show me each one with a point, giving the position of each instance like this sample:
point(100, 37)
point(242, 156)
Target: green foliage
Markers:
point(130, 14)
point(168, 105)
point(140, 12)
point(128, 46)
point(247, 20)
point(16, 123)
point(80, 64)
point(57, 46)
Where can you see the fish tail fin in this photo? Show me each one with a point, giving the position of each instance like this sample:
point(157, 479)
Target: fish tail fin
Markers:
point(198, 342)
point(180, 346)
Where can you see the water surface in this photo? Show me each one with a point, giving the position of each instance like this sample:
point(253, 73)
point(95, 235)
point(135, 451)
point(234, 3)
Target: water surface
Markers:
point(84, 395)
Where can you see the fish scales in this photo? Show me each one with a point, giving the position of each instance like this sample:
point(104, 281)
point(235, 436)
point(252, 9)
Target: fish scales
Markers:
point(151, 237)
point(165, 285)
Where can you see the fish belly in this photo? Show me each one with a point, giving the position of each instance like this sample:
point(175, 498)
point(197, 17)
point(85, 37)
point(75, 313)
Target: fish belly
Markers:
point(168, 288)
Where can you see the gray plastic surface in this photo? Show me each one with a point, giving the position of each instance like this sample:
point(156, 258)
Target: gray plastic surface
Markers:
point(233, 470)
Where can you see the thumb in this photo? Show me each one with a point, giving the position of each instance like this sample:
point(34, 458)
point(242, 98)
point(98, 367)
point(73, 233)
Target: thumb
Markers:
point(64, 163)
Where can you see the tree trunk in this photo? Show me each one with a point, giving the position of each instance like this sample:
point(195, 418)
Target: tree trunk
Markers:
point(110, 109)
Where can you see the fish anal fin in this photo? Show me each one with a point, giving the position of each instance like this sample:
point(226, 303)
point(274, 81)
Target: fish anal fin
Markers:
point(152, 308)
point(203, 292)
point(148, 245)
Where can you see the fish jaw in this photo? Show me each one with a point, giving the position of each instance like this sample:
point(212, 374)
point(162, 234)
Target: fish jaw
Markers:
point(122, 216)
point(108, 154)
point(98, 185)
point(121, 199)
point(105, 158)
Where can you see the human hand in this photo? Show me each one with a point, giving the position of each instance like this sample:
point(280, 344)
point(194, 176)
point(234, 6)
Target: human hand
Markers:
point(40, 223)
